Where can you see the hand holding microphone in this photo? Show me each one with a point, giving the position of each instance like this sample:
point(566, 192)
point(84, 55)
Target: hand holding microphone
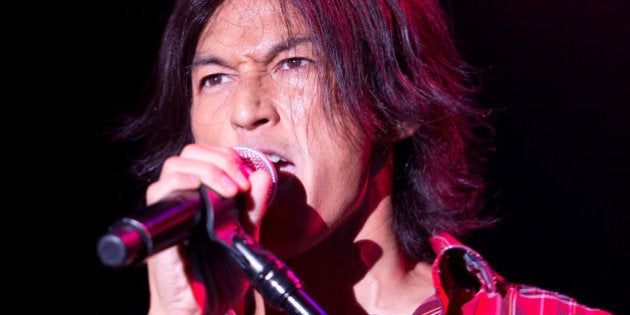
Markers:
point(172, 220)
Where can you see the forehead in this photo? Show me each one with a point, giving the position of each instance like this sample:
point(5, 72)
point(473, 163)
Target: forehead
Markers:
point(249, 29)
point(256, 16)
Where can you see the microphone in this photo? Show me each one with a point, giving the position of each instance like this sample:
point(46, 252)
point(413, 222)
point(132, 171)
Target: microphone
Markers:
point(132, 239)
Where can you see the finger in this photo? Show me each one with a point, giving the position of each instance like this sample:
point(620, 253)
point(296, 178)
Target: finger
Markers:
point(224, 158)
point(169, 182)
point(256, 204)
point(220, 169)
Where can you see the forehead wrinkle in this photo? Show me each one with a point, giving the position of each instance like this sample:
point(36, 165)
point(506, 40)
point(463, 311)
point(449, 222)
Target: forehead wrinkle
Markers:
point(274, 50)
point(203, 61)
point(287, 44)
point(263, 16)
point(255, 16)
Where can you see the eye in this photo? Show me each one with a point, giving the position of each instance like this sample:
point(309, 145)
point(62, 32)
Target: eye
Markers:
point(215, 79)
point(293, 63)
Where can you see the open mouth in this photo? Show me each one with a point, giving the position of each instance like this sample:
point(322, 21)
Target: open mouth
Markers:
point(284, 168)
point(281, 164)
point(275, 159)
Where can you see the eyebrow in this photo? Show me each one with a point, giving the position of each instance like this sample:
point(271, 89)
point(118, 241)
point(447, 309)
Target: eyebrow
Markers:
point(276, 49)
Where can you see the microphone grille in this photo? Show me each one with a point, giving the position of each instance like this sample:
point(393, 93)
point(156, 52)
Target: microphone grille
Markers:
point(256, 160)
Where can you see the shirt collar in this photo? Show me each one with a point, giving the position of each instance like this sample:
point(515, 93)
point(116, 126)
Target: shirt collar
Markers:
point(458, 267)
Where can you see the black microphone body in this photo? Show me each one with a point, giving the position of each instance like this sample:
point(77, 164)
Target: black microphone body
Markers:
point(171, 221)
point(273, 279)
point(131, 239)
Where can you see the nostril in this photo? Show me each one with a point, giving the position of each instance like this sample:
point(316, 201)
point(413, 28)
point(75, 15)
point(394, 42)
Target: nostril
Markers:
point(262, 121)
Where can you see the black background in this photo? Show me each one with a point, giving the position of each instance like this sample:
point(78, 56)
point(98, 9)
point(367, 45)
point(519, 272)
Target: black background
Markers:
point(556, 71)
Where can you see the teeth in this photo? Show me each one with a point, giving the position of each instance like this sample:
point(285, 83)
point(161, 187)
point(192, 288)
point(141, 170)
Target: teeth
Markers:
point(275, 159)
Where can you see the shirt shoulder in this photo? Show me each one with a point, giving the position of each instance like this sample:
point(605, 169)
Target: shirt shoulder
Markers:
point(466, 284)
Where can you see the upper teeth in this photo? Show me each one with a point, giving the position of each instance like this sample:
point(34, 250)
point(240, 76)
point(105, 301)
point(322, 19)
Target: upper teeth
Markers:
point(274, 158)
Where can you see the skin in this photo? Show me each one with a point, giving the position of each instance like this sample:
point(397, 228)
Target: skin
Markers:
point(332, 212)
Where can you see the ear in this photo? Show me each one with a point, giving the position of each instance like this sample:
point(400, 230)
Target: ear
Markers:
point(405, 130)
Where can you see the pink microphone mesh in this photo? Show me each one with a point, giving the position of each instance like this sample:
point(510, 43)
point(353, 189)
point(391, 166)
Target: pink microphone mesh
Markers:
point(256, 160)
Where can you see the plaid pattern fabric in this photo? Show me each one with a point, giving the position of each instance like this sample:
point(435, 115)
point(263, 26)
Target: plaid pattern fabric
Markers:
point(465, 284)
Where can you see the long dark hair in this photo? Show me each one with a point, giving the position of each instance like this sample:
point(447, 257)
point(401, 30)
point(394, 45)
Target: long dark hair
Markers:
point(393, 64)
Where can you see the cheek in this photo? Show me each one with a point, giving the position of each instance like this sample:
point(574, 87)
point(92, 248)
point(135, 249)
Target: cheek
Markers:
point(298, 97)
point(341, 170)
point(294, 104)
point(207, 122)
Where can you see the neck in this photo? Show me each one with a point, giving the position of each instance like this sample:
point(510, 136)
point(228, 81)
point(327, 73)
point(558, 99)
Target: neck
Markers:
point(360, 268)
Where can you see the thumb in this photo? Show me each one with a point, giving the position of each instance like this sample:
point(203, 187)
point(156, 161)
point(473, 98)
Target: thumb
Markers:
point(256, 204)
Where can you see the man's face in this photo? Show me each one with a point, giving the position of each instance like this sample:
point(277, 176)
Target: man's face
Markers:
point(257, 84)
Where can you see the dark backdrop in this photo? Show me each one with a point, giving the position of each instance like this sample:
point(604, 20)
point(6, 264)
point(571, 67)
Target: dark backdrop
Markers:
point(555, 71)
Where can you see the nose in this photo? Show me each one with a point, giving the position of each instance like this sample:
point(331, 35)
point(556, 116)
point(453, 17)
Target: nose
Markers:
point(252, 105)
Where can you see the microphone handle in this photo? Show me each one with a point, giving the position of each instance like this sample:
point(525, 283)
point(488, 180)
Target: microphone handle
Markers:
point(130, 240)
point(272, 278)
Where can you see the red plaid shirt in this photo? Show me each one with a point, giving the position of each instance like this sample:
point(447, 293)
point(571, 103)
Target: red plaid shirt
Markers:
point(465, 284)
